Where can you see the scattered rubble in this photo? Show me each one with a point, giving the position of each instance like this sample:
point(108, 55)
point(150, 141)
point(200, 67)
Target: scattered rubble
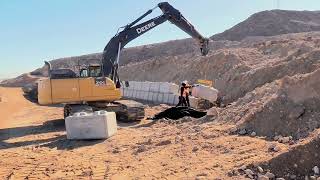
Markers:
point(268, 109)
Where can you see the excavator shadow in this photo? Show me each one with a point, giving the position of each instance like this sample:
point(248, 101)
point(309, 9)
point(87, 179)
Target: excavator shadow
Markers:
point(50, 134)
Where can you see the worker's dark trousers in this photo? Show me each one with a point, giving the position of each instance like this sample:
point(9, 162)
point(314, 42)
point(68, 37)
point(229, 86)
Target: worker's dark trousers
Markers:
point(183, 101)
point(187, 100)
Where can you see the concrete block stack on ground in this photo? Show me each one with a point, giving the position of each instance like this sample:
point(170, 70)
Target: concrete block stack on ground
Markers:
point(166, 93)
point(156, 92)
point(98, 125)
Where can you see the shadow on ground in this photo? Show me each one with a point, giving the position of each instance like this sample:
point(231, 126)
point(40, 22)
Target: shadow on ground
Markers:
point(59, 141)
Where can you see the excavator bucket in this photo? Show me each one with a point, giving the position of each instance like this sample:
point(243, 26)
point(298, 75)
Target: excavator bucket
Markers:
point(204, 47)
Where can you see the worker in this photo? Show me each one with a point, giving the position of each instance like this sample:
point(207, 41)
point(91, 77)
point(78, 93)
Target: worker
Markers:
point(184, 94)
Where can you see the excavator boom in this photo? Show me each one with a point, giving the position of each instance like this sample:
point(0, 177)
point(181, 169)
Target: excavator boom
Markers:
point(111, 53)
point(91, 90)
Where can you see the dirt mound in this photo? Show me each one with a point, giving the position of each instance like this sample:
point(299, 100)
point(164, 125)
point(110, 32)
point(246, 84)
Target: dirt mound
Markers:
point(236, 69)
point(20, 81)
point(270, 23)
point(287, 107)
point(300, 160)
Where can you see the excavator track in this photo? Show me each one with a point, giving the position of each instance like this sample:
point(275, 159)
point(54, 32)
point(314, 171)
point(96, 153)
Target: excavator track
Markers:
point(126, 110)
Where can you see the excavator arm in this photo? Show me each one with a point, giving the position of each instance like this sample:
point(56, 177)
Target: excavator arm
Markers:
point(111, 53)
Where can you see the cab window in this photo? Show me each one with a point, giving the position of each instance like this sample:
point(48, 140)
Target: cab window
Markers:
point(95, 72)
point(84, 73)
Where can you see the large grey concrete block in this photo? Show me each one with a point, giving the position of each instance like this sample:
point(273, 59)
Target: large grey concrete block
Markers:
point(98, 125)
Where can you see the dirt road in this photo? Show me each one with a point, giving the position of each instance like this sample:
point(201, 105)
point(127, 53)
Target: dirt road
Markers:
point(33, 145)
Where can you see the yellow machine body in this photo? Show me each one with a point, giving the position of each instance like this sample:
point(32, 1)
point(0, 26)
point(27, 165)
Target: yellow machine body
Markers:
point(55, 91)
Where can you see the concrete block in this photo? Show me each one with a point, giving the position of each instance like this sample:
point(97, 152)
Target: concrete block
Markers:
point(145, 86)
point(141, 94)
point(208, 93)
point(174, 89)
point(164, 87)
point(135, 85)
point(194, 102)
point(124, 92)
point(155, 87)
point(165, 98)
point(145, 95)
point(134, 94)
point(152, 87)
point(132, 85)
point(123, 85)
point(138, 95)
point(150, 96)
point(155, 97)
point(195, 91)
point(160, 97)
point(171, 99)
point(99, 125)
point(130, 93)
point(139, 86)
point(176, 99)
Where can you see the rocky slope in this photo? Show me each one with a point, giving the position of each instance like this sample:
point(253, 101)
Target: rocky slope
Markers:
point(238, 69)
point(274, 22)
point(266, 23)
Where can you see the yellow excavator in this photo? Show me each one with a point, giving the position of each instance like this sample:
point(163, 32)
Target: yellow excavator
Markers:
point(98, 86)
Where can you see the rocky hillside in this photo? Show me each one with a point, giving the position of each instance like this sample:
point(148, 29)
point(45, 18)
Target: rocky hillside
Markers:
point(274, 22)
point(128, 55)
point(238, 69)
point(246, 56)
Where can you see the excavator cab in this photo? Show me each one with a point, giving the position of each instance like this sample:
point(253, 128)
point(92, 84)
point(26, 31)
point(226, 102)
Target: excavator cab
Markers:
point(65, 86)
point(94, 70)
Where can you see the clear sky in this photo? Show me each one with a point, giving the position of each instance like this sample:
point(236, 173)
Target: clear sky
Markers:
point(32, 31)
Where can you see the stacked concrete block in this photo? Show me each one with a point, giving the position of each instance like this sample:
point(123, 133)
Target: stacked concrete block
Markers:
point(154, 87)
point(145, 95)
point(130, 93)
point(205, 92)
point(176, 99)
point(99, 125)
point(194, 102)
point(165, 98)
point(164, 87)
point(160, 98)
point(134, 94)
point(150, 96)
point(155, 97)
point(174, 89)
point(171, 98)
point(158, 92)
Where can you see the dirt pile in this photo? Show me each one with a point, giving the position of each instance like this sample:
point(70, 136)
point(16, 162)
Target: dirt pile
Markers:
point(20, 81)
point(287, 107)
point(301, 161)
point(237, 69)
point(270, 23)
